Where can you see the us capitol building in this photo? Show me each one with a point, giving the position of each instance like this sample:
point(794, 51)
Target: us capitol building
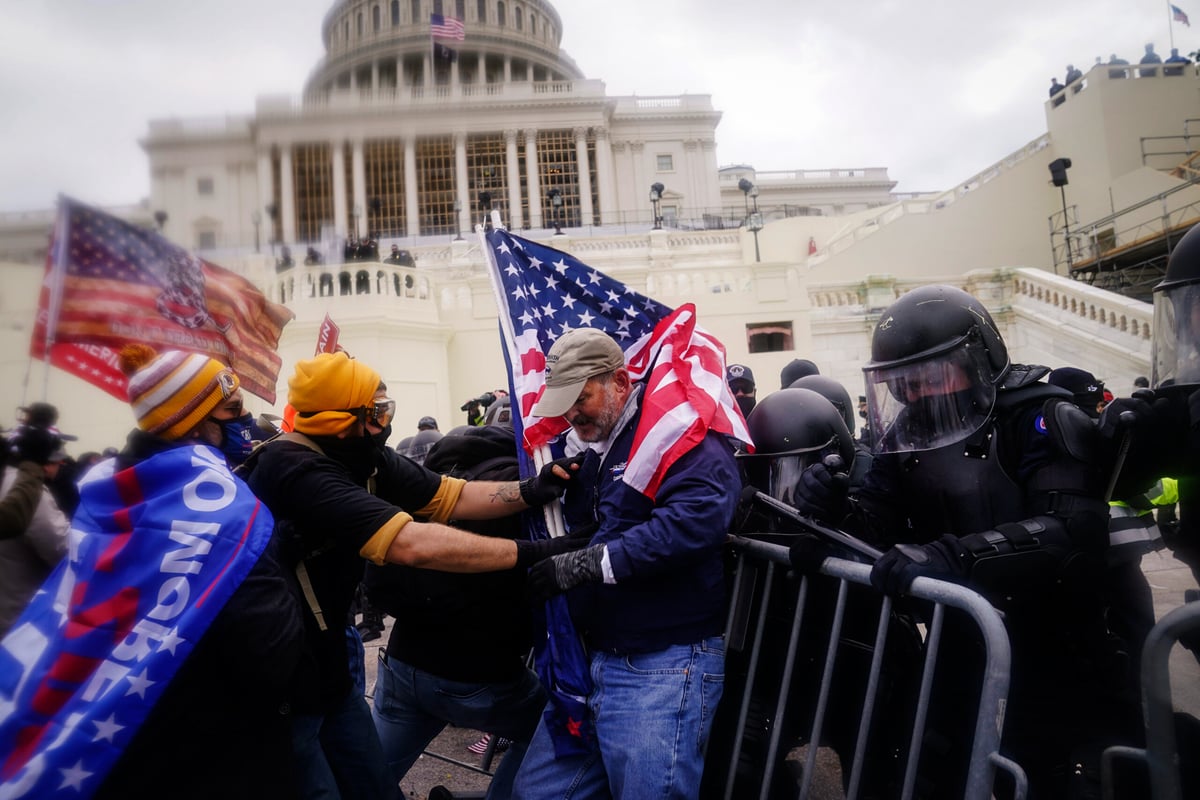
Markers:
point(412, 140)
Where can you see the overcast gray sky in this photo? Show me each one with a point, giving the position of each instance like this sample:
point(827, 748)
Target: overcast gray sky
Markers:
point(934, 90)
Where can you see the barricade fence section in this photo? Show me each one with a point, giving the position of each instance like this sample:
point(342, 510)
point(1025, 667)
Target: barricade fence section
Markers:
point(1164, 755)
point(824, 661)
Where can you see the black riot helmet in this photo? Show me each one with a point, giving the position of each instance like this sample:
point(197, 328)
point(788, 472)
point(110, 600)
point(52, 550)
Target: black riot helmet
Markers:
point(418, 448)
point(1175, 358)
point(936, 360)
point(832, 391)
point(793, 429)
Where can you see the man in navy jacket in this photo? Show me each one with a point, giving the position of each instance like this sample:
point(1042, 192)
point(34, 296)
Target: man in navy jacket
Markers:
point(646, 595)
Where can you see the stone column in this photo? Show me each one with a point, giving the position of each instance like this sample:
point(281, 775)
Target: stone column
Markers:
point(339, 189)
point(641, 187)
point(693, 197)
point(529, 71)
point(708, 167)
point(454, 78)
point(287, 203)
point(266, 189)
point(427, 81)
point(513, 169)
point(374, 77)
point(604, 177)
point(531, 178)
point(359, 172)
point(508, 69)
point(585, 178)
point(412, 215)
point(482, 69)
point(463, 221)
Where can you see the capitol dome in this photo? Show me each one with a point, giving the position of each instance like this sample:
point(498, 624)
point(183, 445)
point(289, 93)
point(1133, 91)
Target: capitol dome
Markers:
point(385, 45)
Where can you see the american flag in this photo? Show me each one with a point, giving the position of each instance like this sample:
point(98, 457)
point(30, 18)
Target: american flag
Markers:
point(109, 282)
point(1178, 15)
point(93, 652)
point(446, 27)
point(543, 292)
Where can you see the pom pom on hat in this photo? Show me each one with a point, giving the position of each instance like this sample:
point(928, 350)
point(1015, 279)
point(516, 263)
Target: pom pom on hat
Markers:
point(323, 390)
point(172, 392)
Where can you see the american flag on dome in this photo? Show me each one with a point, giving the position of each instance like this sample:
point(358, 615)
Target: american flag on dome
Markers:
point(546, 292)
point(148, 571)
point(109, 282)
point(441, 27)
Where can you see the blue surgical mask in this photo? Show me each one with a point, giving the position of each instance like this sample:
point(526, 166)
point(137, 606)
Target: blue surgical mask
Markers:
point(236, 441)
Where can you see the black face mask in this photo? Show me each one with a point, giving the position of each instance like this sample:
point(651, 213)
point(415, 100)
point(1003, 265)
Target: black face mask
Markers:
point(745, 403)
point(380, 439)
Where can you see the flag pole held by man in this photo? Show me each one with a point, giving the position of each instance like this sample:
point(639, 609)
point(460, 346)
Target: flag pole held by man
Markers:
point(639, 389)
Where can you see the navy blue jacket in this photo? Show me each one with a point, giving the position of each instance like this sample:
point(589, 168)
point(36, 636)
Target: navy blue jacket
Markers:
point(666, 553)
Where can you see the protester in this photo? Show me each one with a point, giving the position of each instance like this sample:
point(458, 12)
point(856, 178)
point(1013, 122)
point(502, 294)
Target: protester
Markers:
point(741, 383)
point(180, 633)
point(340, 495)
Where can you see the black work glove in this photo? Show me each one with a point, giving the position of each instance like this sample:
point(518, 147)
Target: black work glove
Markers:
point(945, 559)
point(36, 444)
point(1124, 414)
point(821, 491)
point(530, 553)
point(808, 553)
point(546, 485)
point(562, 572)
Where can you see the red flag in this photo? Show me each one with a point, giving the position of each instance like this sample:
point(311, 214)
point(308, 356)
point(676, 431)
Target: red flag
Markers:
point(109, 282)
point(327, 337)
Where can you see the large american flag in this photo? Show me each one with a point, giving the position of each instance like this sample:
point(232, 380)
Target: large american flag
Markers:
point(546, 292)
point(441, 27)
point(109, 282)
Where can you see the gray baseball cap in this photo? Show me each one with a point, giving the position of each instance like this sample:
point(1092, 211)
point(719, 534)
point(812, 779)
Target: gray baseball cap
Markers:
point(577, 355)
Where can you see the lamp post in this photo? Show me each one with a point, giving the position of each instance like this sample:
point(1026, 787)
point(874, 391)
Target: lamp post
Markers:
point(656, 193)
point(556, 202)
point(256, 218)
point(1058, 176)
point(457, 217)
point(160, 219)
point(745, 186)
point(753, 221)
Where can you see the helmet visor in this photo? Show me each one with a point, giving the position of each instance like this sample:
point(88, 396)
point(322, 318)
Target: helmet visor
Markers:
point(928, 404)
point(1176, 344)
point(783, 474)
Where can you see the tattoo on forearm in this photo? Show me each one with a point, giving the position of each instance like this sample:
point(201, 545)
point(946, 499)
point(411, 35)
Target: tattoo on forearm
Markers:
point(507, 493)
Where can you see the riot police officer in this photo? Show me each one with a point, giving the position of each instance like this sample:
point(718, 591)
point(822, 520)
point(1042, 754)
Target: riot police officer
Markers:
point(984, 474)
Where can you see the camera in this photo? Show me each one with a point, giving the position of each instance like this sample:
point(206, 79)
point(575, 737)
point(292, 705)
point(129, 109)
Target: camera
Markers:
point(485, 400)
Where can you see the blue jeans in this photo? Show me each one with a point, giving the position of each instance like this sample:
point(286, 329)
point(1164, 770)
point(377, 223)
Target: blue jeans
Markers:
point(337, 755)
point(653, 713)
point(412, 707)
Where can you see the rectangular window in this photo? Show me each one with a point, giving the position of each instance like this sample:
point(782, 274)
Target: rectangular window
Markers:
point(558, 169)
point(204, 186)
point(486, 172)
point(435, 185)
point(666, 162)
point(206, 240)
point(384, 167)
point(769, 337)
point(312, 177)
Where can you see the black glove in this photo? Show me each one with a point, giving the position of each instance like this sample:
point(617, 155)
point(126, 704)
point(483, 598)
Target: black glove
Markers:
point(547, 486)
point(1126, 413)
point(36, 444)
point(562, 572)
point(821, 491)
point(945, 559)
point(808, 553)
point(530, 553)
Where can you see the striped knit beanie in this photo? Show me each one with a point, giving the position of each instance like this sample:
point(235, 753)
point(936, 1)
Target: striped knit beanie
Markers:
point(172, 392)
point(323, 390)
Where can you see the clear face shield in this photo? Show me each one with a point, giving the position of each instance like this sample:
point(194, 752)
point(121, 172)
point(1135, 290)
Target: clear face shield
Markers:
point(930, 403)
point(778, 475)
point(1176, 343)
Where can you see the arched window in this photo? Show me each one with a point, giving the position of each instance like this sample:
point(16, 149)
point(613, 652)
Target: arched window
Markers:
point(346, 32)
point(344, 283)
point(500, 20)
point(395, 13)
point(518, 18)
point(532, 23)
point(326, 288)
point(362, 282)
point(481, 10)
point(360, 24)
point(416, 10)
point(460, 9)
point(375, 19)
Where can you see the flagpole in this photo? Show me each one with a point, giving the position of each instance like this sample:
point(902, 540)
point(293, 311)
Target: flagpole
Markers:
point(541, 455)
point(1171, 24)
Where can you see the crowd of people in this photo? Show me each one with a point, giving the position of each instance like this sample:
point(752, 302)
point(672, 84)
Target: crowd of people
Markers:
point(1146, 68)
point(1033, 485)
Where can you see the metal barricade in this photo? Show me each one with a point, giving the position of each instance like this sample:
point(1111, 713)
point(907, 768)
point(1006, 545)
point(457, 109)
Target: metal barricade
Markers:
point(754, 587)
point(1161, 753)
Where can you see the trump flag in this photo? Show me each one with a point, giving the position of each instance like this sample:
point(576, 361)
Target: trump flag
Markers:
point(109, 282)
